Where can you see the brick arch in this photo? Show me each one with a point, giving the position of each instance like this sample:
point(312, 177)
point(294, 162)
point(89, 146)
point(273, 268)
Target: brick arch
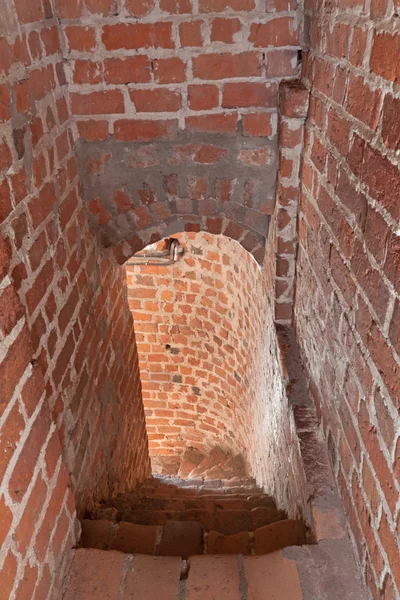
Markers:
point(158, 230)
point(139, 191)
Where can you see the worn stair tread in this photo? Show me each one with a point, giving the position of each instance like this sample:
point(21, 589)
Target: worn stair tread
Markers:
point(190, 460)
point(215, 457)
point(284, 533)
point(238, 543)
point(185, 538)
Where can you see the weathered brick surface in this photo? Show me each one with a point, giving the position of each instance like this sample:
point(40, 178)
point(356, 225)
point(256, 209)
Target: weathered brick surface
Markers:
point(56, 328)
point(293, 107)
point(144, 72)
point(207, 355)
point(347, 285)
point(140, 192)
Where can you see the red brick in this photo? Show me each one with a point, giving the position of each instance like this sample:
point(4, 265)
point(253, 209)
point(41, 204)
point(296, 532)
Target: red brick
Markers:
point(362, 102)
point(337, 40)
point(176, 7)
point(134, 69)
point(209, 154)
point(42, 589)
point(158, 100)
point(102, 7)
point(24, 468)
point(248, 94)
point(13, 366)
point(5, 199)
point(5, 521)
point(40, 286)
point(82, 39)
point(139, 8)
point(93, 570)
point(22, 96)
point(226, 123)
point(137, 35)
point(281, 63)
point(5, 252)
point(358, 46)
point(257, 124)
point(69, 9)
point(209, 6)
point(5, 100)
point(293, 101)
point(29, 12)
point(24, 532)
point(216, 573)
point(389, 543)
point(87, 71)
point(223, 30)
point(226, 66)
point(60, 535)
point(256, 157)
point(190, 34)
point(282, 31)
point(41, 207)
point(5, 157)
point(338, 132)
point(391, 122)
point(11, 432)
point(382, 355)
point(355, 201)
point(27, 584)
point(96, 208)
point(144, 130)
point(323, 77)
point(342, 277)
point(392, 264)
point(51, 40)
point(93, 130)
point(97, 103)
point(394, 330)
point(8, 574)
point(203, 97)
point(382, 177)
point(169, 70)
point(384, 53)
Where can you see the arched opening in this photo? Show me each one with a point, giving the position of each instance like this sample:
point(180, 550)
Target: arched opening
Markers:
point(209, 361)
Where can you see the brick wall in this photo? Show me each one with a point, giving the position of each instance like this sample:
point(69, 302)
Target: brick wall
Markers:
point(64, 323)
point(199, 78)
point(139, 69)
point(347, 301)
point(209, 361)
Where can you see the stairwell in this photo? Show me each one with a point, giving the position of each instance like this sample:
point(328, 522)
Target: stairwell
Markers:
point(196, 537)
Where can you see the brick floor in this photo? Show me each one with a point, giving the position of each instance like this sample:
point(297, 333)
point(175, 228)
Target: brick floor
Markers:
point(272, 577)
point(213, 578)
point(325, 571)
point(95, 575)
point(152, 578)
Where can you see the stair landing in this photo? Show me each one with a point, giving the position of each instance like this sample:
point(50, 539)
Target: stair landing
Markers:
point(100, 575)
point(308, 573)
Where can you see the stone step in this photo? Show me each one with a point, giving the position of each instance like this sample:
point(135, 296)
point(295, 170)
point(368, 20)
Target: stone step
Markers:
point(215, 458)
point(190, 460)
point(185, 538)
point(225, 521)
point(101, 575)
point(182, 504)
point(173, 483)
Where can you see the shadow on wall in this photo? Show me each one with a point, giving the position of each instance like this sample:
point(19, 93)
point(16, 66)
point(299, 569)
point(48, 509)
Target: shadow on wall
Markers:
point(209, 360)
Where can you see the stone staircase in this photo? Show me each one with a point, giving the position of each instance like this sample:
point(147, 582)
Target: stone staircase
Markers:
point(215, 510)
point(196, 537)
point(177, 517)
point(216, 464)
